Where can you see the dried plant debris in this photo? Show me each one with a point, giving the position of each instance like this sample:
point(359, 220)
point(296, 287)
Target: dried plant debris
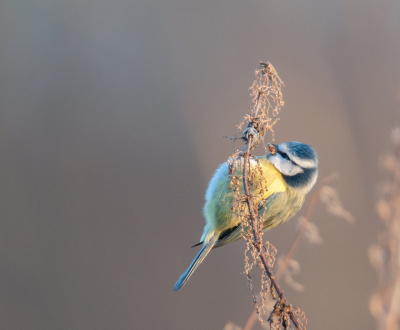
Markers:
point(266, 97)
point(266, 100)
point(311, 233)
point(292, 268)
point(330, 197)
point(385, 254)
point(265, 104)
point(280, 316)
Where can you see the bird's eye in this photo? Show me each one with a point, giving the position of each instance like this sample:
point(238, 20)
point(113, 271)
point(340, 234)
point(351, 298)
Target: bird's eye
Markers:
point(283, 155)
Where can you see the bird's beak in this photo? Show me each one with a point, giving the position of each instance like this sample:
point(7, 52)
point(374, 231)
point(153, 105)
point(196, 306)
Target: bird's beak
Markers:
point(272, 149)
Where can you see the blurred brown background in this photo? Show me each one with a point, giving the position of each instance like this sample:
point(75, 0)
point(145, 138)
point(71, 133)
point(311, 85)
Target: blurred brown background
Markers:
point(112, 115)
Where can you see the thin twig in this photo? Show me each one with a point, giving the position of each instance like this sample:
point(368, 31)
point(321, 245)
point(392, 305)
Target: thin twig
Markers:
point(257, 240)
point(251, 320)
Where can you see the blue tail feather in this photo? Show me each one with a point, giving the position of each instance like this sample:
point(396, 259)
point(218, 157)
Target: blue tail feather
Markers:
point(195, 263)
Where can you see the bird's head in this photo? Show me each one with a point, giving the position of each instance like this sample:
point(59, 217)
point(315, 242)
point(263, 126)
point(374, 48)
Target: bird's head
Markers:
point(297, 162)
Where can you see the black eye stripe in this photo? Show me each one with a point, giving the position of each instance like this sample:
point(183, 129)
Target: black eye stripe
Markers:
point(283, 155)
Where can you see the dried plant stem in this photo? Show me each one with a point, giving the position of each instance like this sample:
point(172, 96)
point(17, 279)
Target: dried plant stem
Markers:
point(251, 321)
point(266, 102)
point(257, 241)
point(259, 122)
point(385, 254)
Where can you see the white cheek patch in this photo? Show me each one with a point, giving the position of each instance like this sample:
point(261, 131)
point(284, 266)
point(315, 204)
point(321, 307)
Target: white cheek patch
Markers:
point(285, 166)
point(305, 163)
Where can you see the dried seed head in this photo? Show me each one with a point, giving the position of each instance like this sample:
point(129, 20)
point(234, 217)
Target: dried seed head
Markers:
point(330, 197)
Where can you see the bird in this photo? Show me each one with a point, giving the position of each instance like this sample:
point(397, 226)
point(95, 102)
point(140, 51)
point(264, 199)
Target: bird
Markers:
point(290, 170)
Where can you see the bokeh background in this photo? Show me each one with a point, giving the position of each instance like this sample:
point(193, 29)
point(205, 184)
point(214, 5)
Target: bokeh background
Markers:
point(112, 116)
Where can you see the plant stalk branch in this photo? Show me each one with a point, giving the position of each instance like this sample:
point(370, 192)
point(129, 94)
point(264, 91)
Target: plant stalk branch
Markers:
point(257, 240)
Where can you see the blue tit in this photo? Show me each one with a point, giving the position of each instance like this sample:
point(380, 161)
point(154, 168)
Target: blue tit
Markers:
point(290, 170)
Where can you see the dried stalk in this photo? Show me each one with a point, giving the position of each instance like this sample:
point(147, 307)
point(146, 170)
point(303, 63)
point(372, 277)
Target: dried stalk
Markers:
point(385, 254)
point(257, 239)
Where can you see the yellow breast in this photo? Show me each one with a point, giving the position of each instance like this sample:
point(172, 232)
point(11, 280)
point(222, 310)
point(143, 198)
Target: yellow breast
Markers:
point(219, 198)
point(271, 176)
